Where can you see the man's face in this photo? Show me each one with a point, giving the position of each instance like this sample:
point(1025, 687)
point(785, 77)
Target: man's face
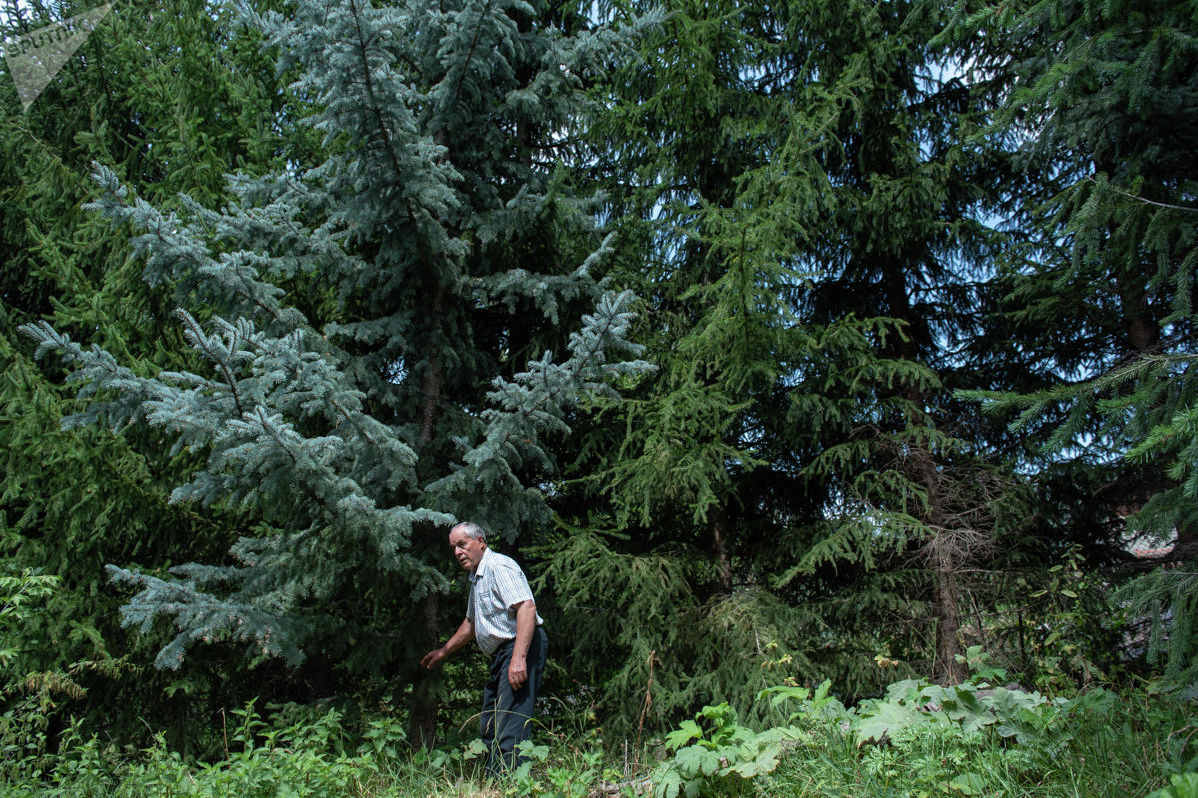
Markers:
point(467, 551)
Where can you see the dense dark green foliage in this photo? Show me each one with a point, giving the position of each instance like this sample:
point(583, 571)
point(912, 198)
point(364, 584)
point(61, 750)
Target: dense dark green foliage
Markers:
point(814, 201)
point(1103, 246)
point(914, 279)
point(1095, 294)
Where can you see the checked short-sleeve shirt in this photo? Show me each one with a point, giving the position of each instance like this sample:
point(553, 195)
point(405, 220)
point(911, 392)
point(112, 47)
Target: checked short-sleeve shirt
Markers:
point(497, 585)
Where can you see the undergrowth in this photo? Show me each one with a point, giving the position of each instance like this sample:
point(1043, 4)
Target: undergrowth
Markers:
point(977, 738)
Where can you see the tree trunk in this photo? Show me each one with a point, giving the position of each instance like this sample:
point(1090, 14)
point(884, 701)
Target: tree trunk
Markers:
point(1142, 331)
point(425, 704)
point(723, 562)
point(948, 644)
point(943, 557)
point(430, 386)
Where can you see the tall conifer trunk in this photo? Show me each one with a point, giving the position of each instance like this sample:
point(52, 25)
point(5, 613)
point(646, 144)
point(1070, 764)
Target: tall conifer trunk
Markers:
point(1131, 278)
point(425, 704)
point(947, 669)
point(720, 549)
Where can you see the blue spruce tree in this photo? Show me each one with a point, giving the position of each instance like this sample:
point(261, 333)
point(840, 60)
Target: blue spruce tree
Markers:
point(450, 316)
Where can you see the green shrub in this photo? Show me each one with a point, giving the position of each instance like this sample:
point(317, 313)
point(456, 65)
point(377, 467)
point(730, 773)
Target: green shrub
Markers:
point(716, 756)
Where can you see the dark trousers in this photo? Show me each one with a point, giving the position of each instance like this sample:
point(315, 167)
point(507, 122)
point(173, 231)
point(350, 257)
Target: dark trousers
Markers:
point(507, 714)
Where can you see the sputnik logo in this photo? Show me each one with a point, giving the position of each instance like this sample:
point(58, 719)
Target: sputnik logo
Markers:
point(34, 58)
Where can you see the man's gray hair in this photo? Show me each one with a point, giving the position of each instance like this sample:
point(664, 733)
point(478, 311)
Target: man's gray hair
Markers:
point(472, 530)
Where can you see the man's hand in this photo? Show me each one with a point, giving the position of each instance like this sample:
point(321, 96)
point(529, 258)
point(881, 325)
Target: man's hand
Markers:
point(517, 672)
point(433, 659)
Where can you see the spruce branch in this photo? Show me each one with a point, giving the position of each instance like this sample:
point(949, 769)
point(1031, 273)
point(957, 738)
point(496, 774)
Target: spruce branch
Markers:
point(1106, 184)
point(465, 67)
point(534, 399)
point(219, 359)
point(204, 617)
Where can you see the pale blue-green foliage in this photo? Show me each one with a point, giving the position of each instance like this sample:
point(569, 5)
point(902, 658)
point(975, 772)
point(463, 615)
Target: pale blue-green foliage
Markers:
point(427, 110)
point(226, 259)
point(356, 65)
point(423, 94)
point(244, 416)
point(533, 401)
point(320, 488)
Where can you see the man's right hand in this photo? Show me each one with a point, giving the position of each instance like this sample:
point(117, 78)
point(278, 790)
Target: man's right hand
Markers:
point(433, 659)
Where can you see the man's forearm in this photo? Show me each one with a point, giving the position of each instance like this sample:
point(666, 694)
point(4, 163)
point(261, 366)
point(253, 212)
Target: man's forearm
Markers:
point(458, 639)
point(526, 624)
point(463, 635)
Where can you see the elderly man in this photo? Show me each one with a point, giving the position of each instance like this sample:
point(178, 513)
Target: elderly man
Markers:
point(502, 616)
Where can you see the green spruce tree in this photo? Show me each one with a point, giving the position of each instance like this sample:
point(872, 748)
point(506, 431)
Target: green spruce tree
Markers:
point(796, 476)
point(1099, 101)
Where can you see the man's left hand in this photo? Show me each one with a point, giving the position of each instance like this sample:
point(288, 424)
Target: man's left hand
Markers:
point(517, 672)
